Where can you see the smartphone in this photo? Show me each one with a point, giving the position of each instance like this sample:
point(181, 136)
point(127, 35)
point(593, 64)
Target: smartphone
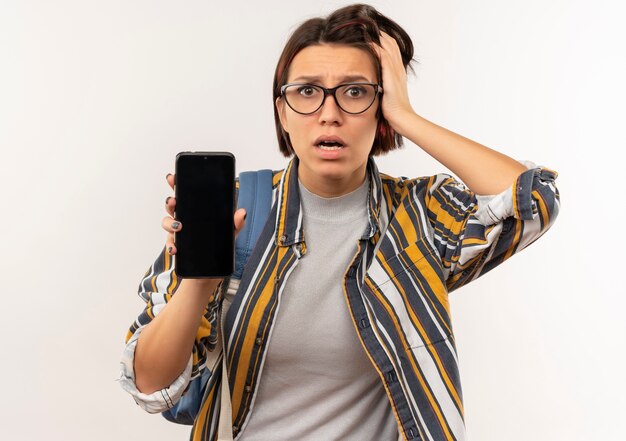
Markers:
point(205, 205)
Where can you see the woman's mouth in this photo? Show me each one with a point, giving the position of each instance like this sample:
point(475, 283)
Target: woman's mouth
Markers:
point(330, 146)
point(330, 150)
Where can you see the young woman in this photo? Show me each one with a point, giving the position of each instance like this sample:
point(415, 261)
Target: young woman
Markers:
point(340, 327)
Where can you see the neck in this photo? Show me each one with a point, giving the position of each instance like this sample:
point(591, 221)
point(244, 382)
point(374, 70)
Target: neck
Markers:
point(329, 186)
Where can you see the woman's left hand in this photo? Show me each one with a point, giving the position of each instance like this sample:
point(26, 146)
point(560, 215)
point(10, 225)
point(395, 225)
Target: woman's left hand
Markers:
point(395, 104)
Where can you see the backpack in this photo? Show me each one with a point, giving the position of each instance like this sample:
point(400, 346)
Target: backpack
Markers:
point(255, 195)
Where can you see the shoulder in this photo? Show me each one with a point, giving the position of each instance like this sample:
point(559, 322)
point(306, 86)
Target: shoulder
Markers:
point(420, 184)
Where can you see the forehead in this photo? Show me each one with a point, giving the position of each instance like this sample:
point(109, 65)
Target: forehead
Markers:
point(331, 63)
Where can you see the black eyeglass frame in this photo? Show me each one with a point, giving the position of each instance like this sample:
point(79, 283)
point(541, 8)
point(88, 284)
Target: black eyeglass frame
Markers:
point(332, 91)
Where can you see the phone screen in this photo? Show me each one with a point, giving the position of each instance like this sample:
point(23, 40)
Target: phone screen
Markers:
point(205, 186)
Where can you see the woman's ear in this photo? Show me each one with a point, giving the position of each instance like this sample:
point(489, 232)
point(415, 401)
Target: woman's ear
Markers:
point(280, 107)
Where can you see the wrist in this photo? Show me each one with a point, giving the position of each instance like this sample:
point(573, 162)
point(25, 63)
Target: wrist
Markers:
point(202, 288)
point(406, 123)
point(202, 282)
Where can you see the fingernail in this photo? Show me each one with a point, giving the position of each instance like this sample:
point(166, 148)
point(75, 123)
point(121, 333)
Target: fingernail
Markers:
point(245, 215)
point(167, 199)
point(167, 175)
point(175, 225)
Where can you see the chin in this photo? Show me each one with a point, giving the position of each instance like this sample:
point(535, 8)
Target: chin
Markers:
point(334, 169)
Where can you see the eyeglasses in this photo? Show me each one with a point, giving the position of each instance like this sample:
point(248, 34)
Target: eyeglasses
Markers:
point(353, 98)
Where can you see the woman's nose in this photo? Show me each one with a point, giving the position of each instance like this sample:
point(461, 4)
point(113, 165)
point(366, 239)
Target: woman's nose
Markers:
point(330, 111)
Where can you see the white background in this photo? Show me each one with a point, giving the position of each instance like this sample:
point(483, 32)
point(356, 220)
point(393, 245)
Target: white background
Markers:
point(96, 99)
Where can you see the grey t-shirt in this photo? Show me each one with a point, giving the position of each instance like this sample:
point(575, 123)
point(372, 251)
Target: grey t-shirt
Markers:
point(317, 381)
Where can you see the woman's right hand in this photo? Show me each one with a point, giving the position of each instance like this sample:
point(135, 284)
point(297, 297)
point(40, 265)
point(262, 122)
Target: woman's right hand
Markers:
point(169, 222)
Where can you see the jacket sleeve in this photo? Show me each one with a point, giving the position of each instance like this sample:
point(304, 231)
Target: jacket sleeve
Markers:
point(475, 233)
point(156, 288)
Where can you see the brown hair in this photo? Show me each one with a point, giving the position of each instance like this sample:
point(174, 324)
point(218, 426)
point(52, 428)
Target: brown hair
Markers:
point(355, 25)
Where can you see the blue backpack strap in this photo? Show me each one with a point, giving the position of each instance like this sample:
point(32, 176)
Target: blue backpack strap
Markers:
point(255, 195)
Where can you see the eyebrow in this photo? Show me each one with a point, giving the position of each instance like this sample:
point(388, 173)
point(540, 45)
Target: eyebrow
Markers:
point(345, 78)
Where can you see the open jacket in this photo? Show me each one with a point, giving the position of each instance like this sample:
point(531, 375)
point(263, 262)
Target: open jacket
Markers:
point(427, 236)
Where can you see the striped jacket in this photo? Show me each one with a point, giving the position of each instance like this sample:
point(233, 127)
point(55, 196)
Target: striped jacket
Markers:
point(426, 237)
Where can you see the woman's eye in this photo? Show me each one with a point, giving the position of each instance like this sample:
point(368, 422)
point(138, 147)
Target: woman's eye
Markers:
point(306, 90)
point(355, 92)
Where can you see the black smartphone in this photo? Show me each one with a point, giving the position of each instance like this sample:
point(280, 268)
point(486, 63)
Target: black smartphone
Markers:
point(205, 205)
